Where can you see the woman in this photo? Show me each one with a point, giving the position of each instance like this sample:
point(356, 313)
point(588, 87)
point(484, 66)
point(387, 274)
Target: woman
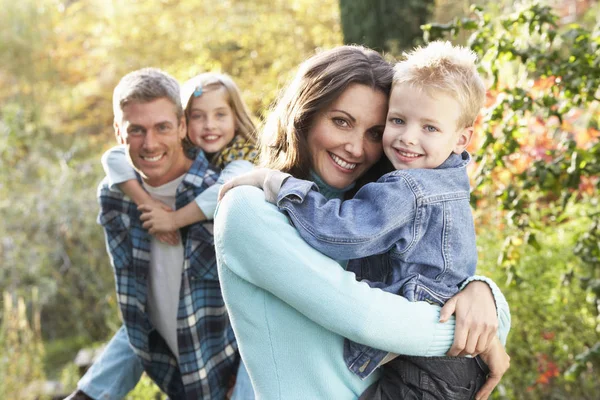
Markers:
point(290, 305)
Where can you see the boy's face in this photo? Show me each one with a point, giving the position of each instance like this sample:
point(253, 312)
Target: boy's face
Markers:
point(422, 131)
point(153, 134)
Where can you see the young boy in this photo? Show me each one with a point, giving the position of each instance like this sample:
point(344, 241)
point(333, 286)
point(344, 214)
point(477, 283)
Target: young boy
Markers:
point(412, 231)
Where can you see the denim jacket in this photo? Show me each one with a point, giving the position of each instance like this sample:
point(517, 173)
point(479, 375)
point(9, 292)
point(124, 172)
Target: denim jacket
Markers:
point(409, 233)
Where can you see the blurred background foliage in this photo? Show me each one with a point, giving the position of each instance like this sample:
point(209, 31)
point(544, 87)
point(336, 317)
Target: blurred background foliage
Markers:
point(535, 182)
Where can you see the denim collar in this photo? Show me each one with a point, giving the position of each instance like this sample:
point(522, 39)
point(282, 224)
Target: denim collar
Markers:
point(456, 160)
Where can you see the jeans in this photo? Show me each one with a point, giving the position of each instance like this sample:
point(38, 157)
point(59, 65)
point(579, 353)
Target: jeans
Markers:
point(115, 373)
point(243, 387)
point(429, 378)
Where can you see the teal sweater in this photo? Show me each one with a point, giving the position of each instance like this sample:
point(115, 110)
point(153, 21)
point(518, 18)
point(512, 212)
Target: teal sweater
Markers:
point(291, 306)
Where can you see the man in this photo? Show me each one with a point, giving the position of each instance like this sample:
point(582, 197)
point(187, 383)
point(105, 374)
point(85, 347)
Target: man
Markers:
point(169, 296)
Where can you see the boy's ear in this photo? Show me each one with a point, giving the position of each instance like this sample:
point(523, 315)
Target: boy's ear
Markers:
point(463, 140)
point(118, 134)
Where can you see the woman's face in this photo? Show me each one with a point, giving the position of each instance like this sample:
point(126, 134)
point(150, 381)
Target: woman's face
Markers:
point(345, 139)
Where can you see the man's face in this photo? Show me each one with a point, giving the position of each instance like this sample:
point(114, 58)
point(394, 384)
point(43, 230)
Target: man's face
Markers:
point(153, 134)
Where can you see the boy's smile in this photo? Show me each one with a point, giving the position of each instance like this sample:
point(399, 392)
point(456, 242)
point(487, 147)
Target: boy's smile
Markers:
point(422, 131)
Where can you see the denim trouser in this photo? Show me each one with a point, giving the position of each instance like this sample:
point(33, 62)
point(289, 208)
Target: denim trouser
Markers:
point(116, 372)
point(429, 378)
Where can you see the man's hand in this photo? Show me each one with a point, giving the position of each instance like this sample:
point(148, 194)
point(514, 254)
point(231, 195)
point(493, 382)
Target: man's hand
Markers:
point(476, 319)
point(498, 361)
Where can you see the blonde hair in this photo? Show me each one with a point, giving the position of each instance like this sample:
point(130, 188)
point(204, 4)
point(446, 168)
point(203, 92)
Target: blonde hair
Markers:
point(211, 80)
point(143, 86)
point(320, 80)
point(442, 67)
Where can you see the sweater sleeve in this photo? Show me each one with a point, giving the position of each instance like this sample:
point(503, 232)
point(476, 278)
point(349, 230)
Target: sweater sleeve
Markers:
point(116, 166)
point(258, 244)
point(207, 200)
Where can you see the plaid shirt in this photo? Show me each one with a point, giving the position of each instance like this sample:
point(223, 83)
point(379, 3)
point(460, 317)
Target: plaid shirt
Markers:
point(208, 356)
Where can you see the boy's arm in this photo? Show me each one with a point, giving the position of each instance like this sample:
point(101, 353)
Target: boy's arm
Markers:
point(370, 223)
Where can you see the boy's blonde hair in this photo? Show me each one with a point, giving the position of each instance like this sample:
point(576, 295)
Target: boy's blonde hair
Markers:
point(441, 67)
point(210, 81)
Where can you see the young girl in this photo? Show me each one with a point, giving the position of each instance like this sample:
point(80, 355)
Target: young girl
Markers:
point(218, 122)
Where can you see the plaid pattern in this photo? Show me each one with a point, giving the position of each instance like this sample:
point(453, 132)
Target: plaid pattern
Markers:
point(208, 356)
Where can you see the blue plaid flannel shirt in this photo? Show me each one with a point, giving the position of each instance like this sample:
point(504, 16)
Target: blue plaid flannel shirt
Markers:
point(208, 356)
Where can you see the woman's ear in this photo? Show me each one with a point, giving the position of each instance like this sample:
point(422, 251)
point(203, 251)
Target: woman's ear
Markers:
point(463, 140)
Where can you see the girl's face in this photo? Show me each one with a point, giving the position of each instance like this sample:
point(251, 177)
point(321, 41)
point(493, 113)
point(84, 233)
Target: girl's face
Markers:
point(211, 122)
point(345, 139)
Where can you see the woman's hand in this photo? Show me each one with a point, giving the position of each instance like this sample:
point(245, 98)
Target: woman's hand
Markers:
point(498, 362)
point(158, 219)
point(476, 319)
point(254, 178)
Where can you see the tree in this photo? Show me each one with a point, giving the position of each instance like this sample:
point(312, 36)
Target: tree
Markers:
point(384, 25)
point(538, 162)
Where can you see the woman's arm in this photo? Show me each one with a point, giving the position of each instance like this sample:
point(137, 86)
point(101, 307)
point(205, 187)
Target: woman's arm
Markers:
point(482, 313)
point(257, 243)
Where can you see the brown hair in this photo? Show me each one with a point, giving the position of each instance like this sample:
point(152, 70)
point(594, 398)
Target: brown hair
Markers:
point(143, 86)
point(320, 80)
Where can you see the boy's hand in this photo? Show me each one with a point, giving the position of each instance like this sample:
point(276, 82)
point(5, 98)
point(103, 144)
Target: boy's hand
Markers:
point(476, 319)
point(158, 219)
point(498, 361)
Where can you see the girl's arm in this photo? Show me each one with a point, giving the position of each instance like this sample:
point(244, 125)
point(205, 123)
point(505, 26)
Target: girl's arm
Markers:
point(157, 220)
point(120, 173)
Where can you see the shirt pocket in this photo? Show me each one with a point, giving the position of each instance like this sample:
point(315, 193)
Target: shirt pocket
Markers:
point(118, 239)
point(203, 262)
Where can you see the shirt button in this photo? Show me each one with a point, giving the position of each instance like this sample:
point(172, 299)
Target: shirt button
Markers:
point(364, 366)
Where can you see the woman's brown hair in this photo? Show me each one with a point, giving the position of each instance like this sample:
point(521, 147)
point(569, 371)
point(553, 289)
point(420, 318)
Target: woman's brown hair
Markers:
point(320, 80)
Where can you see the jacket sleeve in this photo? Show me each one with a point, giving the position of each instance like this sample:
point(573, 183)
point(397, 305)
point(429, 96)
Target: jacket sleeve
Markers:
point(370, 223)
point(257, 244)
